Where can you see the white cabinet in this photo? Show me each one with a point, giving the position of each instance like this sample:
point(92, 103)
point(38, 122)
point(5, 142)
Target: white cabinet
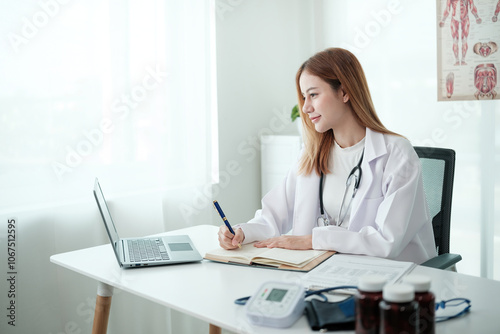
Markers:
point(278, 153)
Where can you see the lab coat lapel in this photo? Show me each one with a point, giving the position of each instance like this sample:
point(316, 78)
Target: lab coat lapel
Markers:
point(375, 147)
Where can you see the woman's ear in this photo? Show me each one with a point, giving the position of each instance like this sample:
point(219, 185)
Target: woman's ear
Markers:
point(345, 96)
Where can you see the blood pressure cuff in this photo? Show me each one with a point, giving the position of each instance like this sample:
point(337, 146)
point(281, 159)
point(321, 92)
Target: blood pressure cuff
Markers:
point(328, 316)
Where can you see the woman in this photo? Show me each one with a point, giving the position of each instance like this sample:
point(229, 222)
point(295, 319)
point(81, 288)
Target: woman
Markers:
point(386, 216)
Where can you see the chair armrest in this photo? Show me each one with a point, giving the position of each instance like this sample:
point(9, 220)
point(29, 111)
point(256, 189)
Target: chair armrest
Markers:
point(442, 261)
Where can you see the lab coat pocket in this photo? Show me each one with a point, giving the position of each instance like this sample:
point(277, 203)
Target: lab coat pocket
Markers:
point(366, 214)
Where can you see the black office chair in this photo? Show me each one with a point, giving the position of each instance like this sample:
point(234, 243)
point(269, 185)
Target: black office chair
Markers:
point(438, 170)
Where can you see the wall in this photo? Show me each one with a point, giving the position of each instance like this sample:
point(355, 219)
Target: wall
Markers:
point(260, 45)
point(395, 41)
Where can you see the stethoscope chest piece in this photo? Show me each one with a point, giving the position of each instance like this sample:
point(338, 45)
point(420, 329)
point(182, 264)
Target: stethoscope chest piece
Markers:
point(323, 220)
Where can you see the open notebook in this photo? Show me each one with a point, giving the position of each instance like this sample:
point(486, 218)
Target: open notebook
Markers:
point(277, 258)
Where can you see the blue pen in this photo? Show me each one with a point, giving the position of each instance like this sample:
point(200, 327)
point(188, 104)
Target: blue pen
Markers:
point(224, 219)
point(223, 216)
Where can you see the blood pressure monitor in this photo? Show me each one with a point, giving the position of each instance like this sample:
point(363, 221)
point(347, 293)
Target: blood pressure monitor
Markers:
point(276, 304)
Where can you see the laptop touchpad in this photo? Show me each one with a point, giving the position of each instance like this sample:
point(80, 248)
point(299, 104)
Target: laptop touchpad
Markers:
point(180, 246)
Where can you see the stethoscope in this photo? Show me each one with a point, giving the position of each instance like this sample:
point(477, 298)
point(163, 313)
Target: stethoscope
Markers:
point(324, 219)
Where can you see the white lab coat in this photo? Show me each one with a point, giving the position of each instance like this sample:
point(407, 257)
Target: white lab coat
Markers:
point(389, 214)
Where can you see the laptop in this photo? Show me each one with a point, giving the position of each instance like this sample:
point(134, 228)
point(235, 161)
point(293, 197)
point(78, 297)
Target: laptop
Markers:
point(147, 251)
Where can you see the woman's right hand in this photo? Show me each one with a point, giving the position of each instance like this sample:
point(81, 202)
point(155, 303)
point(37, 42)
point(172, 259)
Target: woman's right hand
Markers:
point(227, 240)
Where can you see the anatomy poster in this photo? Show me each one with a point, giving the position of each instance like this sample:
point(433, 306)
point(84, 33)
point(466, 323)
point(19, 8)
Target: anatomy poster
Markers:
point(468, 38)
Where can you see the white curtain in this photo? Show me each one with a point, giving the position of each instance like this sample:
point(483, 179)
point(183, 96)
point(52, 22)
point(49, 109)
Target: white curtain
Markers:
point(114, 89)
point(119, 90)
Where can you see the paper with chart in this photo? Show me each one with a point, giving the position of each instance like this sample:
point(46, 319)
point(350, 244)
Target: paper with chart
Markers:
point(468, 37)
point(343, 269)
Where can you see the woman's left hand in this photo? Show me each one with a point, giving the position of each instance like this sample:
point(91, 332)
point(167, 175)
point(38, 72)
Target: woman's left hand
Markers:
point(287, 242)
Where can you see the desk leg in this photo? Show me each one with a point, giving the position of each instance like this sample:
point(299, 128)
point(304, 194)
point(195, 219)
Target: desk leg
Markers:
point(214, 329)
point(102, 307)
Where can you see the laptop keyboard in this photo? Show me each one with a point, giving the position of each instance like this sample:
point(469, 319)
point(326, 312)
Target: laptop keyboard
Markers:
point(147, 250)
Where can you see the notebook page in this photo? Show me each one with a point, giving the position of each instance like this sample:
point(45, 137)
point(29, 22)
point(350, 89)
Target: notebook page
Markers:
point(297, 258)
point(241, 255)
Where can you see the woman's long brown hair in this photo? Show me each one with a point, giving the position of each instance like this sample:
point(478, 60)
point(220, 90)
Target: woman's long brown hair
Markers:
point(340, 69)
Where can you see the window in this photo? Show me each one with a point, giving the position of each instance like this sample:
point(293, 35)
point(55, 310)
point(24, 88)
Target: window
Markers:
point(123, 91)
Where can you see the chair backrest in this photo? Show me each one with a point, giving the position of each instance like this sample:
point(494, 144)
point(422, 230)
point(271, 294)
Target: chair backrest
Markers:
point(438, 171)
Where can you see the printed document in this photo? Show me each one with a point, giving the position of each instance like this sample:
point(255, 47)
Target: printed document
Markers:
point(344, 269)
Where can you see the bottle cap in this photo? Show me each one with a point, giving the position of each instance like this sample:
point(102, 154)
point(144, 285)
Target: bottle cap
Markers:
point(371, 283)
point(420, 283)
point(398, 293)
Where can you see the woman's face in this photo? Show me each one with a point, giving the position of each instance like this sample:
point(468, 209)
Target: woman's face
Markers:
point(326, 108)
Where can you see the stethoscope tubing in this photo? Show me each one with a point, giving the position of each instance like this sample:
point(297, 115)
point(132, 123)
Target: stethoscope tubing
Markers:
point(340, 220)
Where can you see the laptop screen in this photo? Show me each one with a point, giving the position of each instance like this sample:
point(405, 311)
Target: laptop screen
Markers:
point(106, 217)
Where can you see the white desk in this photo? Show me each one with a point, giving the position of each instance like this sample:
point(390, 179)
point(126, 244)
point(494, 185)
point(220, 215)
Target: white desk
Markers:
point(207, 290)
